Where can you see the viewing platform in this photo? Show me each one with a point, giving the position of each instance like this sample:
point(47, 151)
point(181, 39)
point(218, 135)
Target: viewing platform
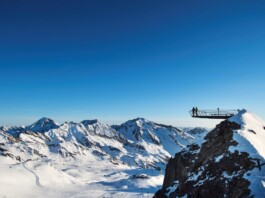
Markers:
point(213, 114)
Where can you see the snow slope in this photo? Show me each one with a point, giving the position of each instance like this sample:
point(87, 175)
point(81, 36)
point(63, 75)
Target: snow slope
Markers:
point(253, 130)
point(251, 139)
point(86, 159)
point(144, 132)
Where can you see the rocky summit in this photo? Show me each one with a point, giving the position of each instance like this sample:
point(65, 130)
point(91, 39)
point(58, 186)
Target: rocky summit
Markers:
point(228, 164)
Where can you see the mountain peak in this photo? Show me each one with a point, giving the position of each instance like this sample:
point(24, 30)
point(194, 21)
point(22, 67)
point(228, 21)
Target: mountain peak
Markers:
point(233, 151)
point(140, 119)
point(252, 129)
point(238, 118)
point(4, 128)
point(45, 120)
point(43, 125)
point(89, 122)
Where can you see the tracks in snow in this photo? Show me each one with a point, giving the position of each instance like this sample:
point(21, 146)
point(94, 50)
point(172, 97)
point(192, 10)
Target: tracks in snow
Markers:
point(37, 179)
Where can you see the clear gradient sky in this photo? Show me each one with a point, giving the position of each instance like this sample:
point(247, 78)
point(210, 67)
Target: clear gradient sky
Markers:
point(117, 60)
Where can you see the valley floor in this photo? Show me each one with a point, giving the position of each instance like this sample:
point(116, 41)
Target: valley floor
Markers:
point(69, 179)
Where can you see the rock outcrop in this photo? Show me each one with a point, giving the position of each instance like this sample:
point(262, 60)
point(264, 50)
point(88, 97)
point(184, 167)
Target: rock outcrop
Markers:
point(212, 170)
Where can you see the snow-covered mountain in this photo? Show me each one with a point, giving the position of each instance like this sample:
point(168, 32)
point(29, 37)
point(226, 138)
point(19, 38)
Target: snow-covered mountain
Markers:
point(138, 142)
point(43, 125)
point(198, 133)
point(229, 163)
point(71, 150)
point(14, 131)
point(145, 132)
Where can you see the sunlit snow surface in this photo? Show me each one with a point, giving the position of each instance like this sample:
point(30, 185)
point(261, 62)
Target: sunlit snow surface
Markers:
point(93, 178)
point(253, 130)
point(87, 159)
point(251, 139)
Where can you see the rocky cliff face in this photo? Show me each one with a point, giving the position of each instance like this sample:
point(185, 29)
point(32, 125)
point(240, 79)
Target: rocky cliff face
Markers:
point(219, 168)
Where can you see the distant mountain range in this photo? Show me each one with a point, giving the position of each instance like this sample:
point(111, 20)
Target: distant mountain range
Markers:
point(87, 159)
point(137, 142)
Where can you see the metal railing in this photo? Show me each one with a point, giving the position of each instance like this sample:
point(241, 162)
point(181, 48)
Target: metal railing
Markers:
point(213, 113)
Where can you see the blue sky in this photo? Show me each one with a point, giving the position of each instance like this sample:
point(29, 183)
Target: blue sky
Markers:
point(117, 60)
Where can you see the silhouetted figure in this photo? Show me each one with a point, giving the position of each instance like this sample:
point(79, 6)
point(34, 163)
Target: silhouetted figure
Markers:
point(193, 111)
point(196, 111)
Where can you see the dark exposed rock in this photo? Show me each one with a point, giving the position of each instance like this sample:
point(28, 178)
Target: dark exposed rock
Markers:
point(252, 131)
point(140, 176)
point(89, 122)
point(197, 130)
point(210, 170)
point(114, 149)
point(98, 153)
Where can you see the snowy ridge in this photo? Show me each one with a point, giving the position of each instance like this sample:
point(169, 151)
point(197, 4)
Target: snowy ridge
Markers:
point(251, 139)
point(229, 163)
point(97, 128)
point(143, 131)
point(137, 142)
point(74, 158)
point(14, 131)
point(253, 130)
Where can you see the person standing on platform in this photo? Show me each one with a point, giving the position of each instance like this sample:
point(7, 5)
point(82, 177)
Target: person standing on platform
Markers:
point(193, 111)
